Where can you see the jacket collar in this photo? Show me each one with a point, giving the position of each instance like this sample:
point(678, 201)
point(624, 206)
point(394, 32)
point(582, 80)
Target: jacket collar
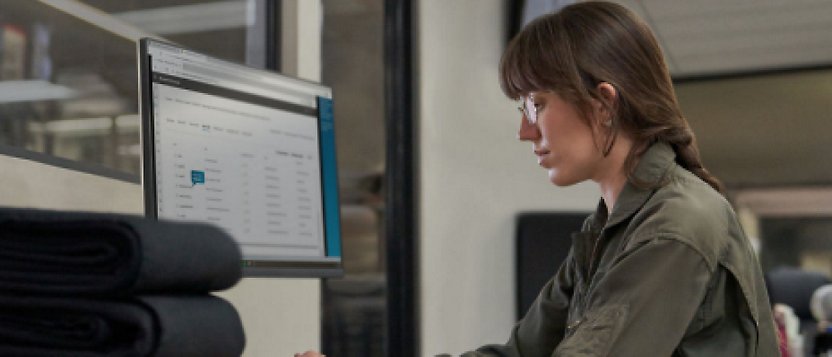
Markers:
point(649, 174)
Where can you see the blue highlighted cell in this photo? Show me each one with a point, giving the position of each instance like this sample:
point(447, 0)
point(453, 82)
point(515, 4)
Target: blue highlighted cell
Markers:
point(197, 177)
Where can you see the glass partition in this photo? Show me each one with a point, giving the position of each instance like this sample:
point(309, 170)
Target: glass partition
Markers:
point(68, 81)
point(355, 311)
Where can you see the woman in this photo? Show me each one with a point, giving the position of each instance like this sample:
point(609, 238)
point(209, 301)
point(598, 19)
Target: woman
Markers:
point(662, 267)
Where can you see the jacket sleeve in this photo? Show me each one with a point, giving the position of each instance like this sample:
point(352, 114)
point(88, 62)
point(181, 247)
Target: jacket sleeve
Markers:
point(642, 305)
point(543, 327)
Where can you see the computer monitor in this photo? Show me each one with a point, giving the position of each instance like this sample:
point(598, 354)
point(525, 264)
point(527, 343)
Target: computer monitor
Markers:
point(248, 150)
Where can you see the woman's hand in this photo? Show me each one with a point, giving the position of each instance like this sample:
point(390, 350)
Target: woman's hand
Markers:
point(309, 354)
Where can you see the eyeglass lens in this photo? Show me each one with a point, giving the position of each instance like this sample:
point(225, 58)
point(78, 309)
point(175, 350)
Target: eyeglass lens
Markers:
point(529, 109)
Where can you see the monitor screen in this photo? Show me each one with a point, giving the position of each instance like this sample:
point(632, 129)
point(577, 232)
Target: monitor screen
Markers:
point(250, 151)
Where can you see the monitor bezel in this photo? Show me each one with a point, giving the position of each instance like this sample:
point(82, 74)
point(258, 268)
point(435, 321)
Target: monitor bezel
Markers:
point(251, 267)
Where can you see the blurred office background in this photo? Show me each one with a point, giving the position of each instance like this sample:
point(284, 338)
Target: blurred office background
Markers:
point(753, 77)
point(69, 97)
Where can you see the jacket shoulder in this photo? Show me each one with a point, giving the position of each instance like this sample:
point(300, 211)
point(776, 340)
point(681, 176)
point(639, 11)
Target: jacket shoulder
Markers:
point(688, 210)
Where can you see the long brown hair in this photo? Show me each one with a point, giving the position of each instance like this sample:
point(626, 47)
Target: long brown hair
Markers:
point(571, 51)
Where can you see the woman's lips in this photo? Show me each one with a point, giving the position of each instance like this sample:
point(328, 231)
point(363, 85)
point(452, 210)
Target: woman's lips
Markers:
point(540, 154)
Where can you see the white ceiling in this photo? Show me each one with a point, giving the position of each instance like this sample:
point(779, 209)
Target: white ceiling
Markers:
point(707, 37)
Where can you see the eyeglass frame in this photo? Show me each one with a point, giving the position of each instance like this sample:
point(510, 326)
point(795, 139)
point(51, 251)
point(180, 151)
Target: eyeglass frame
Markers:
point(528, 108)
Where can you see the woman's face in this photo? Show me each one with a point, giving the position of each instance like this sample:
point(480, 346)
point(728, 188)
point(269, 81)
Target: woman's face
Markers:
point(563, 143)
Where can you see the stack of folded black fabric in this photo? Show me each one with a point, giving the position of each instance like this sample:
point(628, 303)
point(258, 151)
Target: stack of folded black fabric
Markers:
point(88, 284)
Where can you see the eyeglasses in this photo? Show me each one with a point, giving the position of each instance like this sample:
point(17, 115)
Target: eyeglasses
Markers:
point(528, 109)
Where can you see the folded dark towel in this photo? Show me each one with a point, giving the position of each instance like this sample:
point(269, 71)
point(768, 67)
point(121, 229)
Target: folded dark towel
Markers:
point(96, 254)
point(201, 325)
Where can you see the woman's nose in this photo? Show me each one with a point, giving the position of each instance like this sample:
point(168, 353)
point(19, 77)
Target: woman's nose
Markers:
point(528, 131)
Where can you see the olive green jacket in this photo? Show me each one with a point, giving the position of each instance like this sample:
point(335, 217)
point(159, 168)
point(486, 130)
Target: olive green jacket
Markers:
point(668, 273)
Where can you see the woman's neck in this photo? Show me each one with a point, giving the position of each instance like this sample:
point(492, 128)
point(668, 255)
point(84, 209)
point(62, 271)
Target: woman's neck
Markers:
point(613, 177)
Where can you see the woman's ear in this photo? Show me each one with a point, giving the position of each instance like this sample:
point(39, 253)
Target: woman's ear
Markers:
point(605, 115)
point(608, 92)
point(606, 104)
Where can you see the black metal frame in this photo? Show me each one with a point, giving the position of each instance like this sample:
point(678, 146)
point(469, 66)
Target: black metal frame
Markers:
point(401, 222)
point(273, 40)
point(514, 20)
point(146, 134)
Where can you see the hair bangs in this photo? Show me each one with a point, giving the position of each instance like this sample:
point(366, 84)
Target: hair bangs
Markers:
point(521, 68)
point(539, 58)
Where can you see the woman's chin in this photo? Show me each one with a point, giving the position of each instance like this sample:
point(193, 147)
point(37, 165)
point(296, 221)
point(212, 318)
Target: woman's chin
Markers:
point(559, 179)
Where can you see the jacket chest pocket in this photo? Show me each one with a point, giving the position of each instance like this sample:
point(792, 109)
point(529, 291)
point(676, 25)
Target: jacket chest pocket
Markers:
point(597, 330)
point(579, 301)
point(576, 308)
point(574, 318)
